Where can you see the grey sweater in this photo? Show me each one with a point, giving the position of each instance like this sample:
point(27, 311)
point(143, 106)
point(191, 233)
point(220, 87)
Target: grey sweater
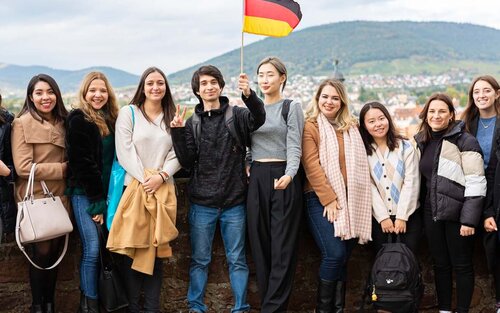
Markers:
point(277, 139)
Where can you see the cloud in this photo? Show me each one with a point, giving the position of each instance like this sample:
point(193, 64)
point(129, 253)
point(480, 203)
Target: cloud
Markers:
point(133, 34)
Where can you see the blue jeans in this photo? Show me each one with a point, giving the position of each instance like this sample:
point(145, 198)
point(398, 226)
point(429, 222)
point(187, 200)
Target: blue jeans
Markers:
point(89, 266)
point(202, 222)
point(334, 251)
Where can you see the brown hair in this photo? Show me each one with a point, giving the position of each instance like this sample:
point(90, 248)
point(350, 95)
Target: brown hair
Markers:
point(424, 127)
point(471, 112)
point(167, 102)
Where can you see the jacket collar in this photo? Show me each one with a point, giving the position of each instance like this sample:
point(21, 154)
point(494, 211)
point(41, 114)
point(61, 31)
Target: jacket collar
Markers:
point(457, 128)
point(224, 103)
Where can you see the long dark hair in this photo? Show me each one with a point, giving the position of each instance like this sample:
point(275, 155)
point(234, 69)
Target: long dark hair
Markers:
point(471, 112)
point(392, 135)
point(59, 111)
point(424, 127)
point(167, 102)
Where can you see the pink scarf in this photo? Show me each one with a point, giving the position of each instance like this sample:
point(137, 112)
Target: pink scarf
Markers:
point(354, 220)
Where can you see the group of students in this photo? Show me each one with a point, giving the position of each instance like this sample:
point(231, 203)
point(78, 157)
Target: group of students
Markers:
point(251, 170)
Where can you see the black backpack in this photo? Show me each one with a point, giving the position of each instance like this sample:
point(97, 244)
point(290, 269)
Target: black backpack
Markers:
point(229, 121)
point(395, 283)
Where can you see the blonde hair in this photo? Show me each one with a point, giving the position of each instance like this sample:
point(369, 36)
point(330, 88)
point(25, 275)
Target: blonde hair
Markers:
point(105, 122)
point(344, 119)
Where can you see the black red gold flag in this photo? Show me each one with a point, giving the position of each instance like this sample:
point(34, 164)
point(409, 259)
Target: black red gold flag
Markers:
point(276, 18)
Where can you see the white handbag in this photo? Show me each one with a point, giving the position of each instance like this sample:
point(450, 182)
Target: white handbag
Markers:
point(41, 219)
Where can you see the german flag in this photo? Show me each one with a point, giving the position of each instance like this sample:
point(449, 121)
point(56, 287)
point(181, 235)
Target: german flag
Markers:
point(276, 18)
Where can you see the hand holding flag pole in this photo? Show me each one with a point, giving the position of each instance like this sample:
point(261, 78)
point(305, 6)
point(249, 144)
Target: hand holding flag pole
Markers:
point(275, 18)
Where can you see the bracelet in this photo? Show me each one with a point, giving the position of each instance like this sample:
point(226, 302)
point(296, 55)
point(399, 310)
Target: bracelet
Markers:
point(163, 176)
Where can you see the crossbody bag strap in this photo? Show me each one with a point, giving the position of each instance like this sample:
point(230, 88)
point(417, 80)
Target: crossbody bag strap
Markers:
point(20, 212)
point(23, 250)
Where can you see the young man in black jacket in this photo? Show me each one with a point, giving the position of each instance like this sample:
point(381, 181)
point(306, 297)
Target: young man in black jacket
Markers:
point(213, 150)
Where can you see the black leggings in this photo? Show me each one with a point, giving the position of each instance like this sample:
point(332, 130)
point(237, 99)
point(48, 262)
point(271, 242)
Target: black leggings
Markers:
point(43, 282)
point(451, 251)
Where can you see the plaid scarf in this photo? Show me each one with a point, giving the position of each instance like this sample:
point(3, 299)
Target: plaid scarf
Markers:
point(354, 220)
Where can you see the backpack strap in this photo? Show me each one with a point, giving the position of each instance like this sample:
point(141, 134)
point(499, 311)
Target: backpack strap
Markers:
point(195, 121)
point(133, 116)
point(228, 120)
point(285, 109)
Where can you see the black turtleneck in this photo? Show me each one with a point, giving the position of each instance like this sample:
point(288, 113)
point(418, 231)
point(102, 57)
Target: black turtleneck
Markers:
point(427, 162)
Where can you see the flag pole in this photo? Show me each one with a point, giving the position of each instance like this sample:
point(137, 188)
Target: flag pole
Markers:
point(242, 36)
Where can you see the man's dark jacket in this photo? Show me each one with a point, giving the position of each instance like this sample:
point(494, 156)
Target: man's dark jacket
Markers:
point(217, 168)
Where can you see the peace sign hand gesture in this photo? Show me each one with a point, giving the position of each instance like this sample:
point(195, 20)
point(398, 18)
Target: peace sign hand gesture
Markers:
point(178, 120)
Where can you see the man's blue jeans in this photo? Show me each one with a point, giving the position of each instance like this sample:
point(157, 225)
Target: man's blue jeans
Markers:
point(90, 243)
point(202, 222)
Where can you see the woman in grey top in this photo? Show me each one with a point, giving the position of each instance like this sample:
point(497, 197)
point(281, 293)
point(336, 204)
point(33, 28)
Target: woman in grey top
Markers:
point(275, 192)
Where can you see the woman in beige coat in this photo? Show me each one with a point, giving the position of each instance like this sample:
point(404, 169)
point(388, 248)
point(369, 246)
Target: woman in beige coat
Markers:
point(38, 137)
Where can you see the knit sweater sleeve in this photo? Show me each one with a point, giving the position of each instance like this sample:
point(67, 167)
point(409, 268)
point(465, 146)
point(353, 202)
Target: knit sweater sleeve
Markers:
point(295, 129)
point(411, 183)
point(125, 149)
point(171, 164)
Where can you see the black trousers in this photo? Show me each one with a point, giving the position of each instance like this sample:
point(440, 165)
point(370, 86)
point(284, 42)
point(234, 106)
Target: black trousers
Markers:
point(411, 238)
point(451, 251)
point(273, 224)
point(135, 282)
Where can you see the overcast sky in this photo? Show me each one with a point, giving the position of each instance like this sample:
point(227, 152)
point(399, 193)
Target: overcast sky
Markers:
point(174, 34)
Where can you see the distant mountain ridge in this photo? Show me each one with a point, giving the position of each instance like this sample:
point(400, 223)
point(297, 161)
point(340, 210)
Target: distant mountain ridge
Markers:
point(365, 47)
point(362, 47)
point(15, 77)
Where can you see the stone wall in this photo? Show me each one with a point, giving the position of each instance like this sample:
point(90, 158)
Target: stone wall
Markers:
point(15, 293)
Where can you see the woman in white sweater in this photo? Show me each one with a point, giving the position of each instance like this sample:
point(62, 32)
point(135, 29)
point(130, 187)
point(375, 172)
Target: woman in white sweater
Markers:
point(143, 142)
point(395, 178)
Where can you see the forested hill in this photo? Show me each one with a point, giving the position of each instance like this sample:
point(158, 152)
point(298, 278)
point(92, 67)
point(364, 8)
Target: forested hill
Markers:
point(372, 47)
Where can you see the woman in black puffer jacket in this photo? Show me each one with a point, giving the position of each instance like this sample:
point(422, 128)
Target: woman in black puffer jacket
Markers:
point(453, 190)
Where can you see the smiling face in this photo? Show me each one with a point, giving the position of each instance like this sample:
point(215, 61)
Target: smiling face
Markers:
point(154, 87)
point(44, 99)
point(210, 89)
point(269, 79)
point(376, 123)
point(329, 102)
point(484, 96)
point(97, 94)
point(438, 115)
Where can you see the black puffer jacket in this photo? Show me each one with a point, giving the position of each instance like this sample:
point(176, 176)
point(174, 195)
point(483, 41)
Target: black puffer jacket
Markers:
point(8, 207)
point(458, 186)
point(218, 176)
